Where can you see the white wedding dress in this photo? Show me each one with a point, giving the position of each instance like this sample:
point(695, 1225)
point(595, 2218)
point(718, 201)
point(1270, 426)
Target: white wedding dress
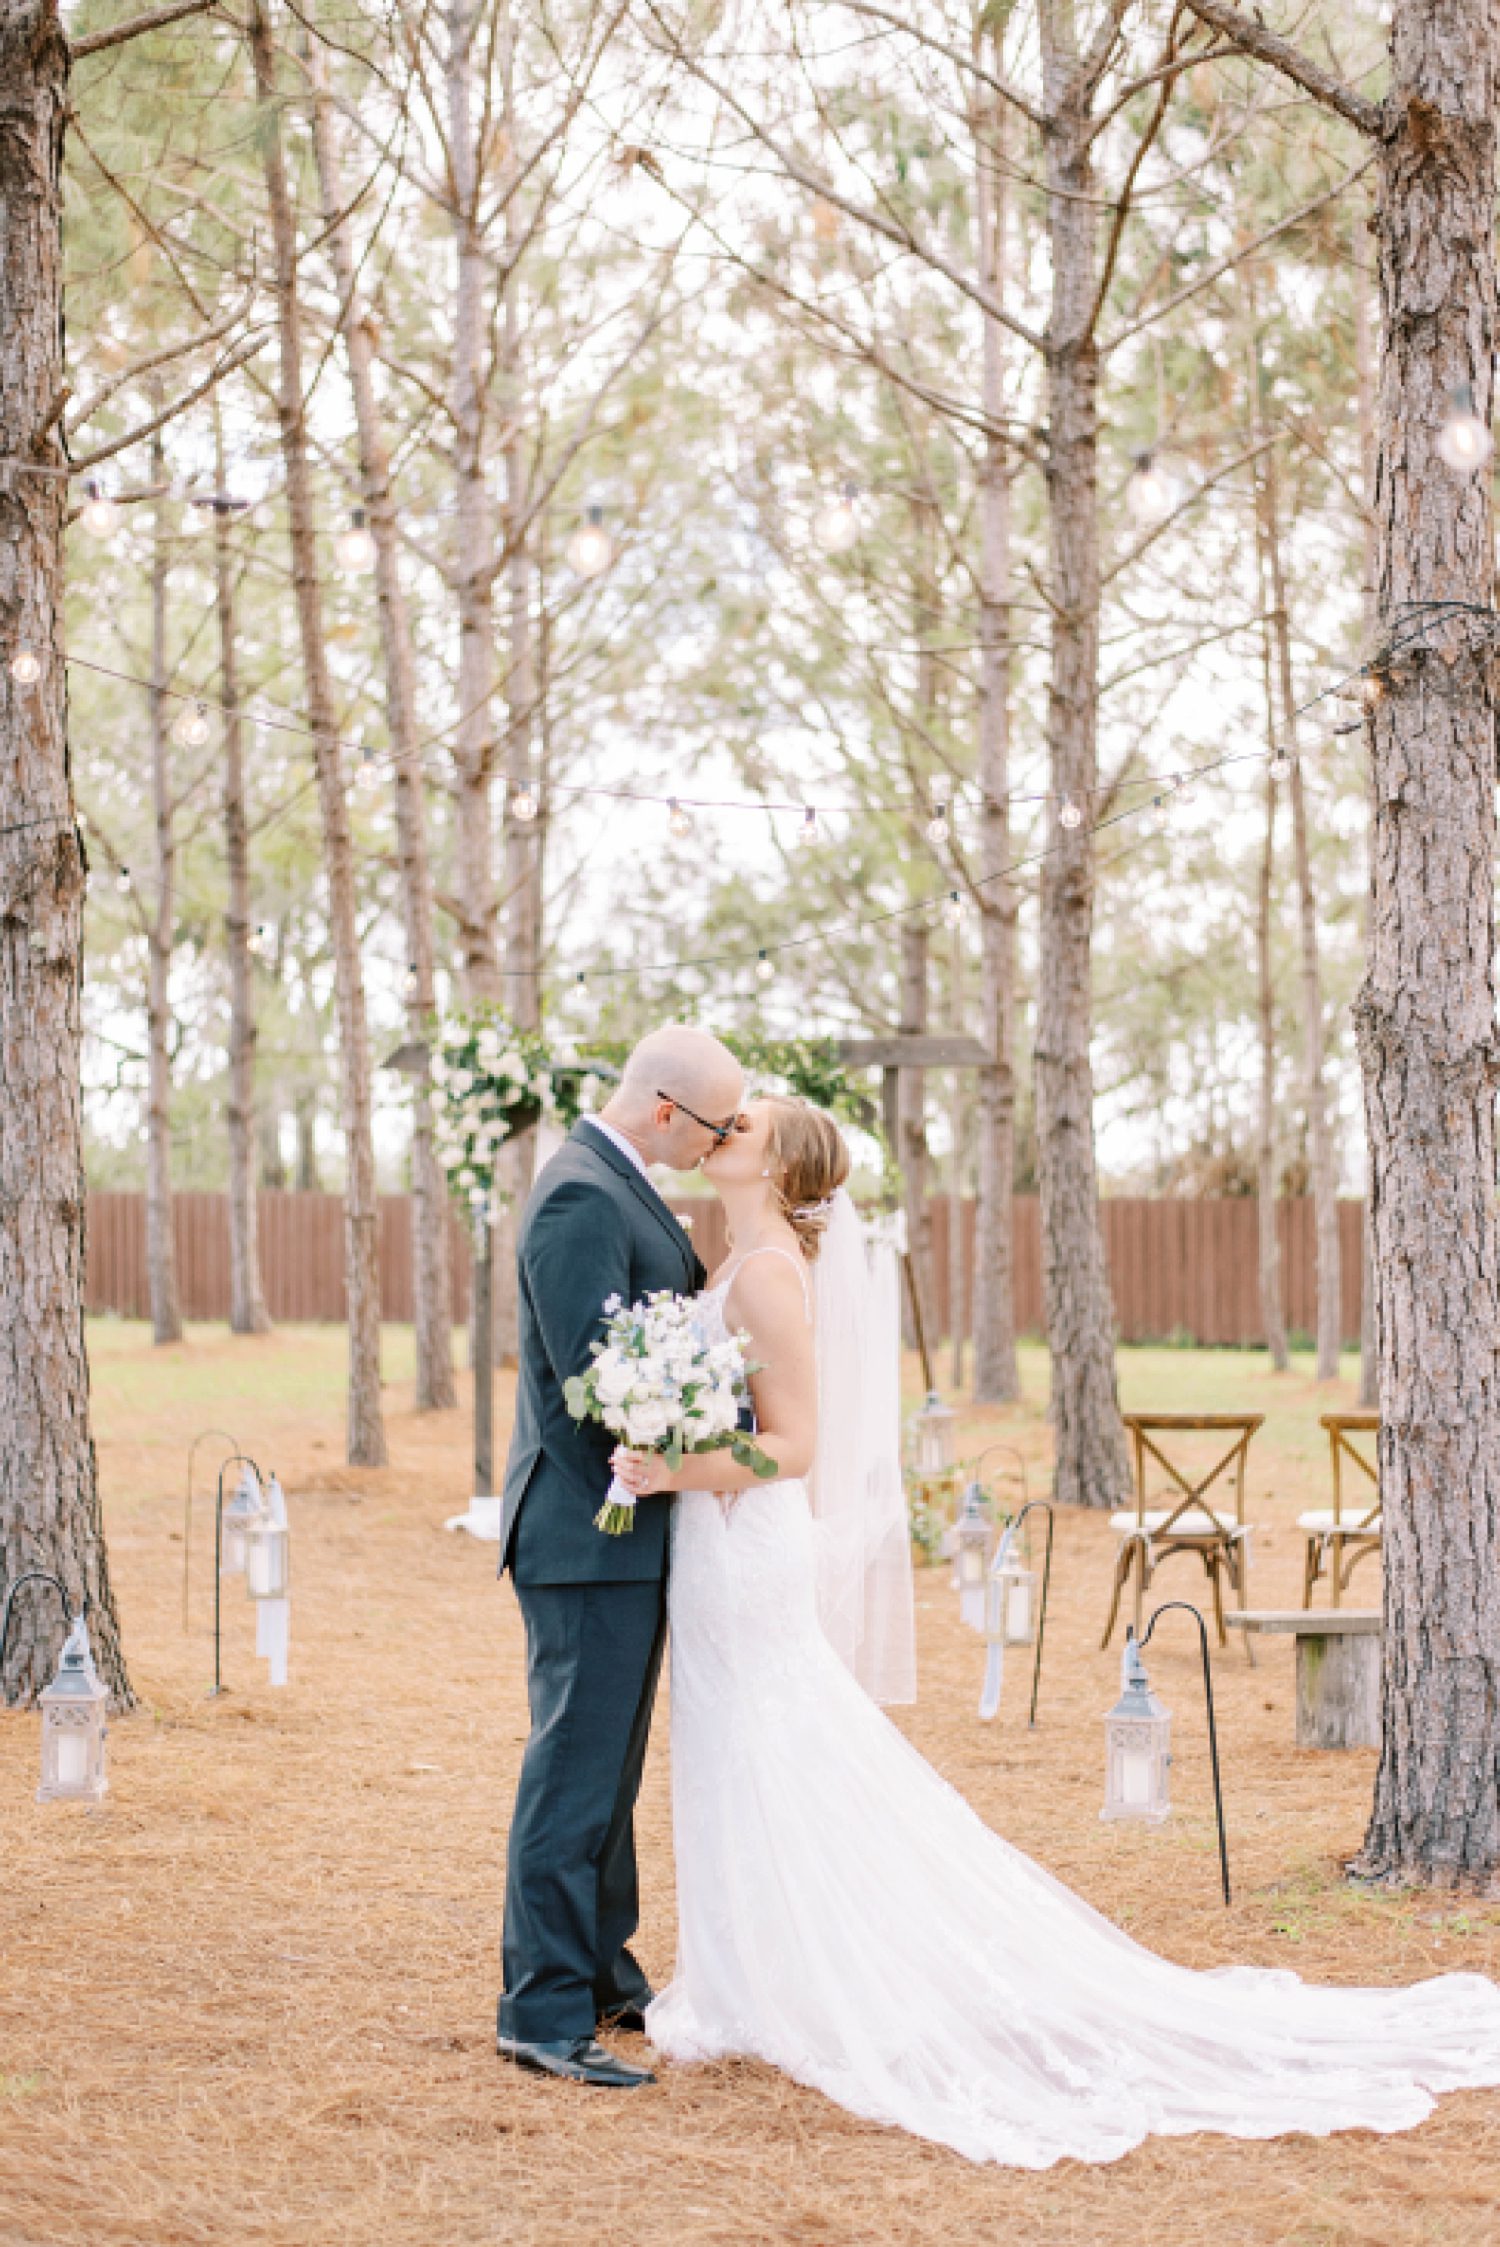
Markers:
point(844, 1915)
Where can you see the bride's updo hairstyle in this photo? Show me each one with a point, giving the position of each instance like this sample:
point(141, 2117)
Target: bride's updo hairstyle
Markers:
point(809, 1162)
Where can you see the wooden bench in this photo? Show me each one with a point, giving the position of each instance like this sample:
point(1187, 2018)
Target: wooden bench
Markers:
point(1193, 1519)
point(1336, 1538)
point(1338, 1670)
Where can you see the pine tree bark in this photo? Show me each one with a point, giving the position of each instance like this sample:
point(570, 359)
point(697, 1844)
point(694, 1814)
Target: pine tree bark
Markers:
point(1272, 1307)
point(1426, 1010)
point(474, 746)
point(1091, 1467)
point(1314, 1037)
point(997, 1378)
point(159, 918)
point(366, 1445)
point(1364, 390)
point(49, 1498)
point(247, 1302)
point(432, 1280)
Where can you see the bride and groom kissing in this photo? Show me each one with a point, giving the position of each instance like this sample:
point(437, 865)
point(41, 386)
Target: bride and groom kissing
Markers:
point(842, 1913)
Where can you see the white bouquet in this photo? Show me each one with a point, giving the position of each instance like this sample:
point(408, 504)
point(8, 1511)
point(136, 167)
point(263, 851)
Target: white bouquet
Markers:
point(659, 1385)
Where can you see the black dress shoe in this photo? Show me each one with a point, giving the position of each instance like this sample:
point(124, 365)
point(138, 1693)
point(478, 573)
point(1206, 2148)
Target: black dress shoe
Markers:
point(631, 2017)
point(576, 2059)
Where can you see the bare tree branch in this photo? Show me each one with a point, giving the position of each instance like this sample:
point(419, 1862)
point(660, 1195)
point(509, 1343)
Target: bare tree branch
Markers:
point(1254, 38)
point(1238, 255)
point(155, 359)
point(965, 63)
point(95, 42)
point(216, 374)
point(1133, 554)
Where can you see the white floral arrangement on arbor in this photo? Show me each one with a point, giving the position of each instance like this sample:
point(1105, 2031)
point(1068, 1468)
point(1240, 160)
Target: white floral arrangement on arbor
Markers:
point(492, 1080)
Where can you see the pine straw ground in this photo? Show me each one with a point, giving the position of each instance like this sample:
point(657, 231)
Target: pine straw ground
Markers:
point(250, 2000)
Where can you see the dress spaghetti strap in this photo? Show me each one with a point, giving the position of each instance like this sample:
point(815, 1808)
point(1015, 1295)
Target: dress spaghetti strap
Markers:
point(771, 1248)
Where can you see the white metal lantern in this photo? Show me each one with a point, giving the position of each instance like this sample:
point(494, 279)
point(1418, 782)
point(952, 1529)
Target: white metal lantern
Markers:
point(267, 1559)
point(245, 1507)
point(971, 1558)
point(1012, 1597)
point(1138, 1740)
point(932, 1436)
point(73, 1726)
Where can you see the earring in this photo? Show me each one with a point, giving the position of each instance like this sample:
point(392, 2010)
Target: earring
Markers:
point(765, 1174)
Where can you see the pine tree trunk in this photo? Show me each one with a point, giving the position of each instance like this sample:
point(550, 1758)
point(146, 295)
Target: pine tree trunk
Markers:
point(366, 1430)
point(305, 1127)
point(247, 1303)
point(997, 1378)
point(474, 561)
point(958, 1122)
point(1426, 1010)
point(1272, 1310)
point(1314, 1065)
point(432, 1281)
point(160, 919)
point(1091, 1468)
point(911, 1150)
point(1364, 371)
point(49, 1498)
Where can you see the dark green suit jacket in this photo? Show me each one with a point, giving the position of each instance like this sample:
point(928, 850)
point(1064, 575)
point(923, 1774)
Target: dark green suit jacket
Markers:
point(594, 1227)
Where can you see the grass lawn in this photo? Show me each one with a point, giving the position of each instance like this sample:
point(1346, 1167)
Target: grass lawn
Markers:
point(250, 2000)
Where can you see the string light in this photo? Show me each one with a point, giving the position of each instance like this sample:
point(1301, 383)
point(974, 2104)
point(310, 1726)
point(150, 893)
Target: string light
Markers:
point(937, 825)
point(1150, 492)
point(1161, 814)
point(679, 821)
point(25, 667)
point(100, 515)
point(1070, 816)
point(354, 549)
point(591, 549)
point(836, 524)
point(258, 942)
point(1464, 440)
point(123, 882)
point(367, 771)
point(524, 804)
point(764, 967)
point(953, 909)
point(807, 834)
point(581, 988)
point(198, 516)
point(192, 728)
point(1280, 767)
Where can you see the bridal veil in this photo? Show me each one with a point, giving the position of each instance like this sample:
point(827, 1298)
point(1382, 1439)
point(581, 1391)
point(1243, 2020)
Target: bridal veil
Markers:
point(858, 1501)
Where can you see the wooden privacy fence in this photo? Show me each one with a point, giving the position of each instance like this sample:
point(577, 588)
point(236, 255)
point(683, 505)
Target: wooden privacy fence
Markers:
point(1184, 1270)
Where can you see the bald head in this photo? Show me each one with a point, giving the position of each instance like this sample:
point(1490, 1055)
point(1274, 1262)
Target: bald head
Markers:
point(676, 1063)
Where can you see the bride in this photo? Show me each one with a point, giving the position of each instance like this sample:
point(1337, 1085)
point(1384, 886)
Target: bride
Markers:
point(843, 1913)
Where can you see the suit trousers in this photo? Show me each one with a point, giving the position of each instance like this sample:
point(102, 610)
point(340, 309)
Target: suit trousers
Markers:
point(593, 1660)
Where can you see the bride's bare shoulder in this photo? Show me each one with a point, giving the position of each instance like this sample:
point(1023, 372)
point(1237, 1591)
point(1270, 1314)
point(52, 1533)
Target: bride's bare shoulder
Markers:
point(765, 1286)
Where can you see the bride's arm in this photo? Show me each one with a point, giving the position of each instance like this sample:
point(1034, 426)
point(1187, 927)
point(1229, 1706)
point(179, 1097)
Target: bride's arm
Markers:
point(768, 1304)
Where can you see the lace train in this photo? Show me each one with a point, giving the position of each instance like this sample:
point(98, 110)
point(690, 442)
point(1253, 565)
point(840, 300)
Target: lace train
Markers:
point(847, 1917)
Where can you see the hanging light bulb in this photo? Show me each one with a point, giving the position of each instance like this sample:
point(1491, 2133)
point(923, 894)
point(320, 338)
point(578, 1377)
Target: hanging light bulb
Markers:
point(1464, 440)
point(1070, 816)
point(198, 516)
point(808, 834)
point(581, 988)
point(1161, 816)
point(953, 910)
point(524, 804)
point(354, 549)
point(1150, 491)
point(764, 970)
point(25, 667)
point(258, 942)
point(100, 516)
point(1281, 766)
point(367, 771)
point(123, 882)
point(591, 549)
point(937, 825)
point(836, 524)
point(192, 728)
point(679, 821)
point(411, 988)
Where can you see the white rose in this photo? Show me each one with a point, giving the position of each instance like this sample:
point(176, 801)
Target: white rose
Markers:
point(466, 1178)
point(613, 1378)
point(488, 1047)
point(450, 1157)
point(647, 1423)
point(463, 1082)
point(511, 1065)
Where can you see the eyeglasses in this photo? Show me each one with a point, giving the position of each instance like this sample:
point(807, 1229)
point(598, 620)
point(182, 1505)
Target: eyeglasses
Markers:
point(720, 1132)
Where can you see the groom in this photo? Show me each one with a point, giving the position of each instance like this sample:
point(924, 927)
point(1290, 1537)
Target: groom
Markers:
point(594, 1606)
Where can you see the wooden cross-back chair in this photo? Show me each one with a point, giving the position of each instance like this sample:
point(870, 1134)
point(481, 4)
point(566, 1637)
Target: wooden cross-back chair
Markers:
point(1204, 1514)
point(1339, 1537)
